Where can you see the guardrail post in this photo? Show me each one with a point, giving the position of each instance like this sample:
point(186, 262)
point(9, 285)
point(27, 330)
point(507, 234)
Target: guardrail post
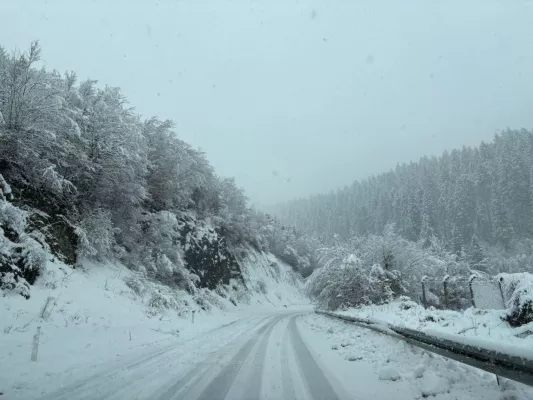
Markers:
point(472, 290)
point(424, 300)
point(445, 287)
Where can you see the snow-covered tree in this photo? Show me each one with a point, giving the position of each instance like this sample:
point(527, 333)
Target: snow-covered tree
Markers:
point(22, 256)
point(483, 191)
point(120, 186)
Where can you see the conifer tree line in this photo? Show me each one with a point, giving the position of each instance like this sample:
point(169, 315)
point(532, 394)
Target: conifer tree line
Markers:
point(464, 197)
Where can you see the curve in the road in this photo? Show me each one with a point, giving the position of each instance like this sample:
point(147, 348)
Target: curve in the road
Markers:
point(113, 378)
point(227, 364)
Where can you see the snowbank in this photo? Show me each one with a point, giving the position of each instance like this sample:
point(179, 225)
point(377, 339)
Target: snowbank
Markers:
point(486, 328)
point(377, 366)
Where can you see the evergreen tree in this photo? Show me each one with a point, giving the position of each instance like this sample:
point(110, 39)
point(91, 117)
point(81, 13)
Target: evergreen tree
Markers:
point(485, 191)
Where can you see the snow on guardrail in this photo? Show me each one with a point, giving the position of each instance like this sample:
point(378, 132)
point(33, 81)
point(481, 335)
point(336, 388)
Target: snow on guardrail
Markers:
point(504, 360)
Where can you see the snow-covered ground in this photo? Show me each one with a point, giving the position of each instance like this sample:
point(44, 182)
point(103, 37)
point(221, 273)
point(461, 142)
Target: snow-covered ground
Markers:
point(472, 326)
point(90, 315)
point(256, 350)
point(99, 336)
point(371, 365)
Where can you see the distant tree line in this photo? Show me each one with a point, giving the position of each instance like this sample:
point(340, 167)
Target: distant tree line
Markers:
point(463, 197)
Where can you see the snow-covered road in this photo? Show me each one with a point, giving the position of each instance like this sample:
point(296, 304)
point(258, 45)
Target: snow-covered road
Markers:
point(263, 357)
point(277, 355)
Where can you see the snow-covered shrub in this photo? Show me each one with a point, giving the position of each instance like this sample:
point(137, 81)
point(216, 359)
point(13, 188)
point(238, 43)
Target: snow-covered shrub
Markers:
point(5, 190)
point(362, 271)
point(164, 298)
point(159, 302)
point(509, 283)
point(238, 292)
point(221, 291)
point(13, 281)
point(96, 235)
point(22, 258)
point(56, 182)
point(137, 285)
point(389, 266)
point(286, 243)
point(386, 284)
point(520, 304)
point(206, 299)
point(159, 254)
point(406, 303)
point(261, 286)
point(348, 284)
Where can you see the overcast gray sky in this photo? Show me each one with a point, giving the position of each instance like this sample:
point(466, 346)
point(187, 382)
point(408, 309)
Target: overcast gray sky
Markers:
point(296, 97)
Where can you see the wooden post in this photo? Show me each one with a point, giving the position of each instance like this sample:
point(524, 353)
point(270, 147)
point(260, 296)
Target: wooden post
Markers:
point(193, 311)
point(472, 290)
point(35, 346)
point(424, 300)
point(501, 291)
point(445, 287)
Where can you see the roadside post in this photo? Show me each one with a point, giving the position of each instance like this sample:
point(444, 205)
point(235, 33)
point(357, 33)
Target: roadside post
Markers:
point(35, 346)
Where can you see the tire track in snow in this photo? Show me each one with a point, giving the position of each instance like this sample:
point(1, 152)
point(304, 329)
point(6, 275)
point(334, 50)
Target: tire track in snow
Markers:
point(286, 374)
point(192, 379)
point(104, 384)
point(250, 379)
point(229, 363)
point(221, 385)
point(319, 386)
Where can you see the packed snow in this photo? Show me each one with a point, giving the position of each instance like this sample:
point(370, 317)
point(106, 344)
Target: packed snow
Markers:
point(90, 314)
point(372, 365)
point(90, 320)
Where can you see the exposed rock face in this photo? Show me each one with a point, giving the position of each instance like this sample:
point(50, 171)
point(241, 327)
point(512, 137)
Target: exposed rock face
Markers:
point(207, 254)
point(48, 217)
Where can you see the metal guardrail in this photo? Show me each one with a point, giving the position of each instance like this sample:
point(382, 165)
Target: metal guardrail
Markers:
point(512, 367)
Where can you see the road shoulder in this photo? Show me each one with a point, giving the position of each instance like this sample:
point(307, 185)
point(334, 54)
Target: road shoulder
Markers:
point(370, 365)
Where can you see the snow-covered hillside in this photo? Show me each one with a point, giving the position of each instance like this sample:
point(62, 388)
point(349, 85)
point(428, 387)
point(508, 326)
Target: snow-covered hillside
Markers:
point(88, 315)
point(270, 280)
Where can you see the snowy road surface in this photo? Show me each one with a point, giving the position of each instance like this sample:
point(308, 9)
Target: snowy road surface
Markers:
point(262, 357)
point(275, 355)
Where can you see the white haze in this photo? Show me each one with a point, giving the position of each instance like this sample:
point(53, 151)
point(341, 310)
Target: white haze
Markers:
point(299, 97)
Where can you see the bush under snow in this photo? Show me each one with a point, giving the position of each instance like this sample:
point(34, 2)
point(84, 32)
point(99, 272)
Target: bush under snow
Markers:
point(376, 269)
point(520, 304)
point(22, 257)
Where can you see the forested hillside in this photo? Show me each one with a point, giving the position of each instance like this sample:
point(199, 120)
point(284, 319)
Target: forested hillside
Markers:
point(83, 175)
point(484, 193)
point(466, 212)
